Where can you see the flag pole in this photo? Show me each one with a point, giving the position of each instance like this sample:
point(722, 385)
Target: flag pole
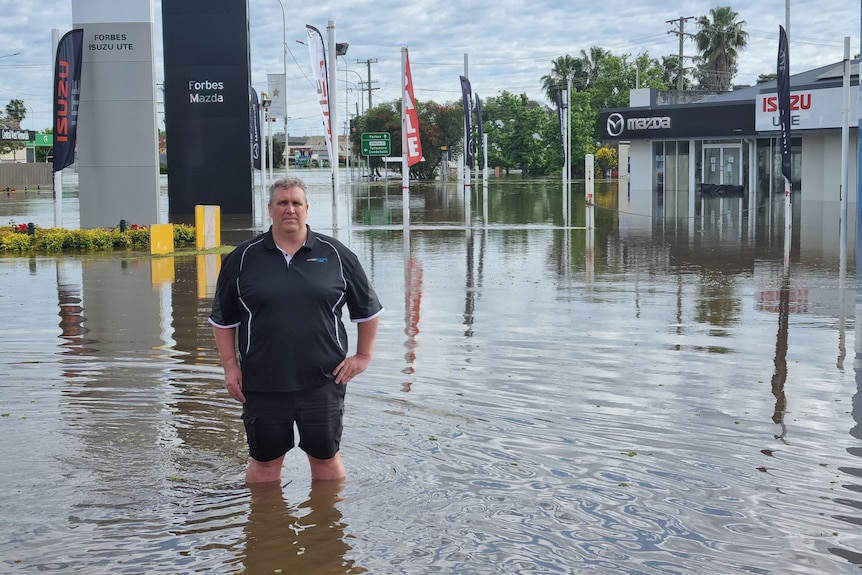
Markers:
point(58, 174)
point(468, 138)
point(788, 185)
point(845, 148)
point(333, 121)
point(405, 160)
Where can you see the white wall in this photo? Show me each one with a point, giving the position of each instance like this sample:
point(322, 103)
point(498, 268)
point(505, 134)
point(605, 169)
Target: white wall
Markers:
point(636, 192)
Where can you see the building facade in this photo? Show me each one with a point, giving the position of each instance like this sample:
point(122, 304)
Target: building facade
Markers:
point(720, 157)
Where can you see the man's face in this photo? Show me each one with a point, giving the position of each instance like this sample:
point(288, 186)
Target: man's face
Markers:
point(288, 210)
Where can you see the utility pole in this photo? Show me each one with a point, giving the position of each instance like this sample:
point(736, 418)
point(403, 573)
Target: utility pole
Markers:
point(368, 83)
point(680, 85)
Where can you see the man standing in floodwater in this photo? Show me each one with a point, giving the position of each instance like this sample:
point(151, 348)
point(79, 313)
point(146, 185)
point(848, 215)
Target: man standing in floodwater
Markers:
point(278, 301)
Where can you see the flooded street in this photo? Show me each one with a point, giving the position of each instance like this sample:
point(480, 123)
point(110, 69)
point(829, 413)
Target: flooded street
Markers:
point(649, 398)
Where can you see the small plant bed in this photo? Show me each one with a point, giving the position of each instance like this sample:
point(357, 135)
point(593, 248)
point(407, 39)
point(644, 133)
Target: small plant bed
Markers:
point(20, 239)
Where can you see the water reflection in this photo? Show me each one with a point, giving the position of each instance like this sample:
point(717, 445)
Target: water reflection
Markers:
point(651, 397)
point(853, 500)
point(305, 538)
point(779, 376)
point(412, 307)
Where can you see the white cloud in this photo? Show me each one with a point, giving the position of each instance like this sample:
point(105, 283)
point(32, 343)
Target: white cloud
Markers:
point(510, 44)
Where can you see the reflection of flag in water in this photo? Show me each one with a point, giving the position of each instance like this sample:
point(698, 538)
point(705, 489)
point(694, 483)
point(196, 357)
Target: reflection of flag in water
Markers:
point(320, 74)
point(411, 315)
point(67, 94)
point(411, 117)
point(467, 98)
point(254, 129)
point(783, 81)
point(481, 142)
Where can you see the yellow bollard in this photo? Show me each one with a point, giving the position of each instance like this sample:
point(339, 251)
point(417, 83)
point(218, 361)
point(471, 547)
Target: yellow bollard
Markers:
point(161, 238)
point(207, 227)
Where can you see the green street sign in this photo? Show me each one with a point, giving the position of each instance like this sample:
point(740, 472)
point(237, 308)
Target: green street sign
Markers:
point(376, 144)
point(42, 140)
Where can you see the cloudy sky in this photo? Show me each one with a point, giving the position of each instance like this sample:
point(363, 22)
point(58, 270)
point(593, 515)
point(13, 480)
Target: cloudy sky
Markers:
point(509, 45)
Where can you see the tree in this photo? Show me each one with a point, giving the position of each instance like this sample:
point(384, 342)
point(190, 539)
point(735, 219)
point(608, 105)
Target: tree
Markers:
point(607, 160)
point(17, 110)
point(650, 73)
point(384, 117)
point(439, 125)
point(521, 134)
point(565, 69)
point(592, 66)
point(584, 129)
point(672, 69)
point(719, 41)
point(610, 88)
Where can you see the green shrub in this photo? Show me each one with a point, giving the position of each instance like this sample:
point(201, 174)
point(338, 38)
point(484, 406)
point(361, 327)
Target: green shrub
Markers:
point(51, 241)
point(139, 237)
point(120, 240)
point(184, 234)
point(100, 239)
point(15, 242)
point(15, 239)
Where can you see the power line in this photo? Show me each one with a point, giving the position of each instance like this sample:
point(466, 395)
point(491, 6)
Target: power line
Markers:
point(680, 31)
point(368, 63)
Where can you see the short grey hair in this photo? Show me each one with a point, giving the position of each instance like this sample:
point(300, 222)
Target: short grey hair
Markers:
point(286, 183)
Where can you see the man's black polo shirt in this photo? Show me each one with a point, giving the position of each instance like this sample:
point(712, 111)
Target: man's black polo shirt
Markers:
point(288, 316)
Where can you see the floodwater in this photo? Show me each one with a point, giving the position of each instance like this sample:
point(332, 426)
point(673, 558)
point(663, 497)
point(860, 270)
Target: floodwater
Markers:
point(649, 398)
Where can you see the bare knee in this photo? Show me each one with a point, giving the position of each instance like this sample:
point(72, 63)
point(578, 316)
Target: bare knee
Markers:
point(327, 469)
point(263, 471)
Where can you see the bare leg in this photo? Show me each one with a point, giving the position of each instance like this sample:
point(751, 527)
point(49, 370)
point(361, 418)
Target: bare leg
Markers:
point(263, 471)
point(327, 469)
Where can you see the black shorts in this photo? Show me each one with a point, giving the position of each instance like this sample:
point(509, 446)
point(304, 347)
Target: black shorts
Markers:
point(317, 412)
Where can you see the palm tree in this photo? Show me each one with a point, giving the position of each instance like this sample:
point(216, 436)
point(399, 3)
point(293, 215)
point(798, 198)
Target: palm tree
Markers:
point(592, 63)
point(718, 42)
point(17, 110)
point(566, 68)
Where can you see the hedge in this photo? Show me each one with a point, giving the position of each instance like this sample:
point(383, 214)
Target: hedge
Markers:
point(21, 238)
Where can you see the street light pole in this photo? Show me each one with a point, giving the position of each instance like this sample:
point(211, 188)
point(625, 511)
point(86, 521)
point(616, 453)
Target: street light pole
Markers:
point(359, 100)
point(346, 118)
point(266, 102)
point(284, 66)
point(333, 120)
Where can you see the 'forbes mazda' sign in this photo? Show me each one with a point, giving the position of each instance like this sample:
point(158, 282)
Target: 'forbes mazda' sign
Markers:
point(677, 122)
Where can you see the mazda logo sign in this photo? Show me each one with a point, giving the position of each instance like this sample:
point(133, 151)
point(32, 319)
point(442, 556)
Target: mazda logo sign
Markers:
point(615, 125)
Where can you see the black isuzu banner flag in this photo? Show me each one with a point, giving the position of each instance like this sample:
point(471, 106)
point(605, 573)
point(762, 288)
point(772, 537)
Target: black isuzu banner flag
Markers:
point(67, 94)
point(783, 80)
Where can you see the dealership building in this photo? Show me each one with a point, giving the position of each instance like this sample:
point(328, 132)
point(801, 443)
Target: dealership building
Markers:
point(719, 158)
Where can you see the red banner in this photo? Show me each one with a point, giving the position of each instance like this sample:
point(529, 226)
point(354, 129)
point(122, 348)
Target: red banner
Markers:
point(320, 73)
point(411, 118)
